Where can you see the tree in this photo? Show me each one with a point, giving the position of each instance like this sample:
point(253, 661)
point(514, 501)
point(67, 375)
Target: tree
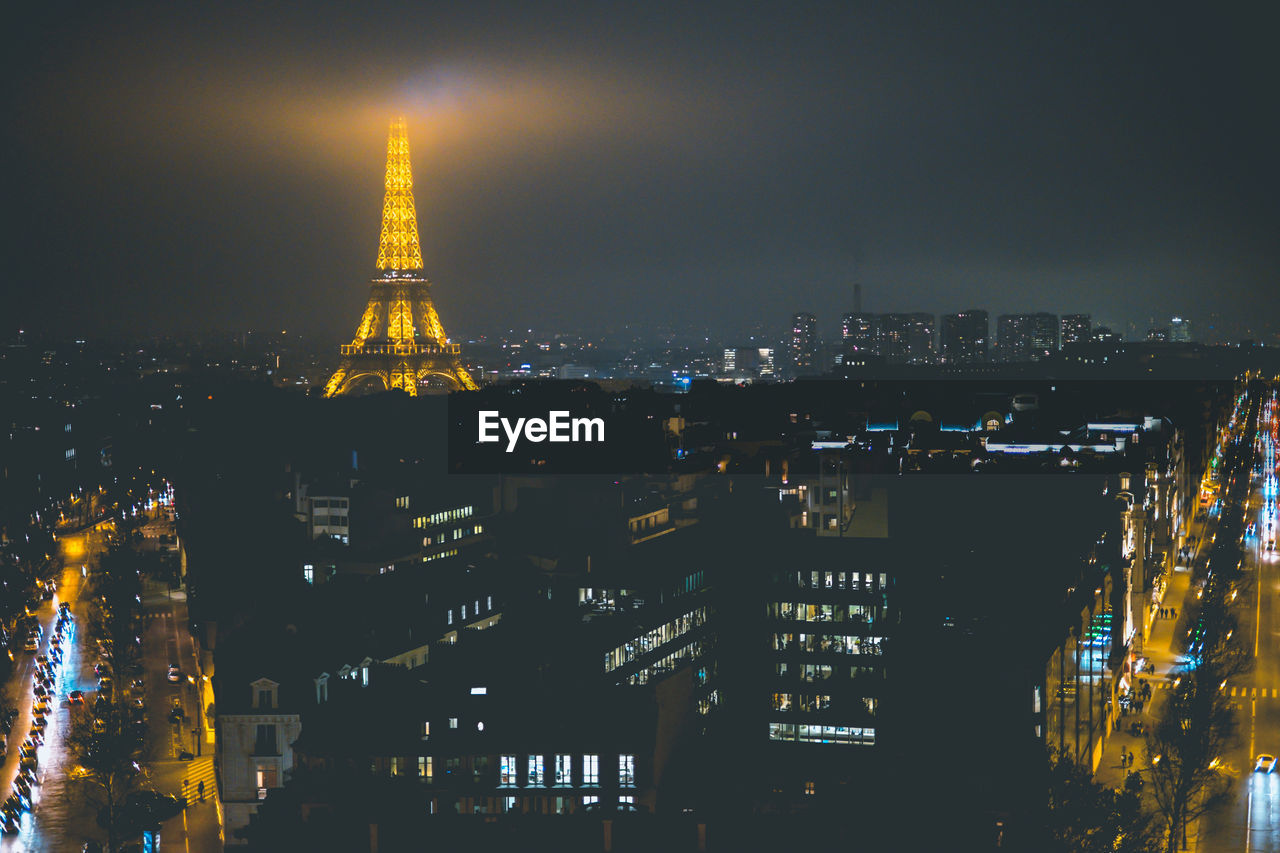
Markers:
point(1087, 817)
point(106, 740)
point(108, 747)
point(1197, 725)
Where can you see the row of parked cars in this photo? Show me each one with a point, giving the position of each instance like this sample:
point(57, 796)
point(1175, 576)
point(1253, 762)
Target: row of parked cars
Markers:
point(48, 670)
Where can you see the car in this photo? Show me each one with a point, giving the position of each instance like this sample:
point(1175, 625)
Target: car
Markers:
point(1265, 764)
point(38, 726)
point(76, 697)
point(175, 674)
point(136, 685)
point(23, 784)
point(39, 689)
point(186, 756)
point(41, 707)
point(42, 660)
point(32, 645)
point(29, 756)
point(105, 685)
point(10, 822)
point(99, 725)
point(65, 608)
point(23, 800)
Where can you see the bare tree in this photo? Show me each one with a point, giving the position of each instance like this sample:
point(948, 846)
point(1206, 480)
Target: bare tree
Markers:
point(1196, 726)
point(1087, 817)
point(106, 740)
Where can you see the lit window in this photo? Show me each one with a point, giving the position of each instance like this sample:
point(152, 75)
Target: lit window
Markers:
point(450, 615)
point(309, 573)
point(480, 725)
point(464, 611)
point(627, 771)
point(422, 767)
point(426, 730)
point(564, 770)
point(453, 722)
point(626, 799)
point(586, 801)
point(809, 788)
point(507, 771)
point(591, 770)
point(536, 770)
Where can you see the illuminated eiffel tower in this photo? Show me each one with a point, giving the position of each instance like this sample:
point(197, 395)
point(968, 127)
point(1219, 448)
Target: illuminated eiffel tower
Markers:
point(400, 342)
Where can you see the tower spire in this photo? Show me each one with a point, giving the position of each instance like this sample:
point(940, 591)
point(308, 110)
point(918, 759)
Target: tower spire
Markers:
point(400, 342)
point(398, 246)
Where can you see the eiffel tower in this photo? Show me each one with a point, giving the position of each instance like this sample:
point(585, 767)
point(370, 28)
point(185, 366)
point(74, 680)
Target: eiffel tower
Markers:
point(400, 342)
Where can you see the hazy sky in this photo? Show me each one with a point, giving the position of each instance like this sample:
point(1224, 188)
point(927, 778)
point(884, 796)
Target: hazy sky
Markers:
point(182, 166)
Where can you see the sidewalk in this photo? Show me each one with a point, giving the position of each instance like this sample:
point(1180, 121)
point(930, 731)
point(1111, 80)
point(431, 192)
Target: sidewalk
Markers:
point(1159, 650)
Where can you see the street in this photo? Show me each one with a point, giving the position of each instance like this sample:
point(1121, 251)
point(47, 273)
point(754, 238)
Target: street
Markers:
point(1252, 820)
point(62, 818)
point(64, 810)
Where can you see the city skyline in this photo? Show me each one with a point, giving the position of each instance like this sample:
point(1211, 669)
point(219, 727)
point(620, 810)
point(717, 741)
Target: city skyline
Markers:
point(649, 167)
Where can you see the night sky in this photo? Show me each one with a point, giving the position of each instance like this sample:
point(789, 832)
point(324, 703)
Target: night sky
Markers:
point(181, 167)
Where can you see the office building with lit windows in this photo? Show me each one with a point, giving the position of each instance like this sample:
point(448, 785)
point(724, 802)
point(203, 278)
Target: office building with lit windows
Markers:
point(1026, 337)
point(907, 338)
point(804, 344)
point(1076, 329)
point(860, 334)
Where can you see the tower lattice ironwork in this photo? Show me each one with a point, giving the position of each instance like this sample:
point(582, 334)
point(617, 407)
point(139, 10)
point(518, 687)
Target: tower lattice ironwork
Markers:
point(400, 342)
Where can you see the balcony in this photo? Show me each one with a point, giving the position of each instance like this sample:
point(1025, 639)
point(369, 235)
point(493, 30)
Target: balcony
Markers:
point(400, 349)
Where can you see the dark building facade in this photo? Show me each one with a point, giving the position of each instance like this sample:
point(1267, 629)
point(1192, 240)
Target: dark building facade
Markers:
point(907, 338)
point(860, 334)
point(1075, 329)
point(804, 343)
point(963, 337)
point(1026, 337)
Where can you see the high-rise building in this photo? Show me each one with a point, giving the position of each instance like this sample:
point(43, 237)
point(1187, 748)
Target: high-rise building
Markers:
point(1075, 329)
point(906, 338)
point(1104, 335)
point(1158, 335)
point(804, 343)
point(1026, 337)
point(1180, 330)
point(860, 333)
point(963, 337)
point(745, 363)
